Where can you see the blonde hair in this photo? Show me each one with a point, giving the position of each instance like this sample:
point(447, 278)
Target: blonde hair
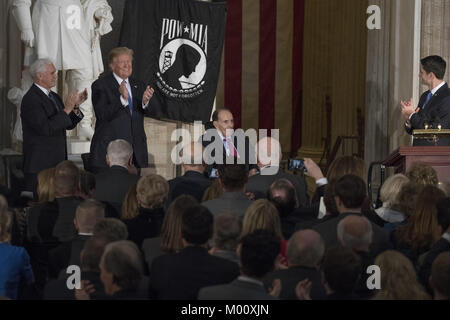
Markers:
point(213, 191)
point(5, 221)
point(46, 190)
point(391, 188)
point(118, 52)
point(130, 206)
point(261, 214)
point(423, 174)
point(152, 191)
point(398, 278)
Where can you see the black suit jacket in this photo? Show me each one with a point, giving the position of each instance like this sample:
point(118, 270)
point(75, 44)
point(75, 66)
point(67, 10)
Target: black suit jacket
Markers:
point(44, 130)
point(113, 120)
point(436, 111)
point(236, 290)
point(180, 276)
point(191, 183)
point(212, 141)
point(57, 289)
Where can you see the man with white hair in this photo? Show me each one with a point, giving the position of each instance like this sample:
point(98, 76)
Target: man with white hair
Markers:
point(269, 155)
point(45, 119)
point(113, 183)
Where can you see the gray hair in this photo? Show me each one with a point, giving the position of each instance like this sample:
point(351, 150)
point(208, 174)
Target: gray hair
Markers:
point(119, 152)
point(88, 213)
point(305, 248)
point(111, 228)
point(39, 66)
point(349, 238)
point(227, 231)
point(123, 260)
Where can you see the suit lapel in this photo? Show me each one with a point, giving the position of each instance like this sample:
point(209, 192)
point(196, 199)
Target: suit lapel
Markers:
point(48, 103)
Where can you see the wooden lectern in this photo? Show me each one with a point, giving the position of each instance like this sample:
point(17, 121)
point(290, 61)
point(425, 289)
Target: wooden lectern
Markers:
point(436, 157)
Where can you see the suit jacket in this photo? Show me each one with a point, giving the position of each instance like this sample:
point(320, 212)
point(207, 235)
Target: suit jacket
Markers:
point(291, 277)
point(436, 111)
point(191, 183)
point(44, 130)
point(180, 276)
point(213, 142)
point(328, 231)
point(112, 185)
point(64, 228)
point(57, 289)
point(147, 224)
point(113, 120)
point(229, 202)
point(236, 290)
point(259, 184)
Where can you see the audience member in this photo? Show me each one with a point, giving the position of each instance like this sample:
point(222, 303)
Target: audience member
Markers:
point(45, 189)
point(87, 184)
point(423, 174)
point(233, 178)
point(227, 232)
point(258, 252)
point(130, 205)
point(112, 229)
point(398, 278)
point(440, 277)
point(389, 192)
point(180, 276)
point(151, 194)
point(214, 191)
point(304, 251)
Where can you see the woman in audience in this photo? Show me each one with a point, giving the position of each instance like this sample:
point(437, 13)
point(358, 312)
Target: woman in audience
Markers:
point(45, 189)
point(423, 174)
point(151, 193)
point(398, 278)
point(213, 191)
point(421, 230)
point(15, 268)
point(389, 212)
point(130, 207)
point(170, 240)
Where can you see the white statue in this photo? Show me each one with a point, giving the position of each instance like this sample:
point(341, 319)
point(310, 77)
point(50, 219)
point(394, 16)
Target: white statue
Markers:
point(68, 33)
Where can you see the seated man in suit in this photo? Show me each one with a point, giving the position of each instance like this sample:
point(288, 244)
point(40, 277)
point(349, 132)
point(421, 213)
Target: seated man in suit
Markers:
point(120, 103)
point(350, 192)
point(112, 184)
point(193, 182)
point(45, 119)
point(433, 109)
point(180, 276)
point(88, 213)
point(258, 252)
point(225, 145)
point(304, 252)
point(269, 155)
point(233, 178)
point(227, 232)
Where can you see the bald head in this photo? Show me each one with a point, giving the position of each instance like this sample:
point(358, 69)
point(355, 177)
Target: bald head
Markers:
point(305, 248)
point(268, 151)
point(355, 232)
point(88, 213)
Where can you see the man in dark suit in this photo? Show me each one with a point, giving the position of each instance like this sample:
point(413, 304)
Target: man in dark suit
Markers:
point(258, 252)
point(120, 103)
point(193, 182)
point(269, 155)
point(224, 145)
point(45, 119)
point(180, 276)
point(112, 184)
point(433, 109)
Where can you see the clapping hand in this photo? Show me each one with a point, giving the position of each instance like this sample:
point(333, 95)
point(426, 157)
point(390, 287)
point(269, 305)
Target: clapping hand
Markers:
point(407, 108)
point(82, 96)
point(303, 290)
point(148, 94)
point(123, 90)
point(71, 101)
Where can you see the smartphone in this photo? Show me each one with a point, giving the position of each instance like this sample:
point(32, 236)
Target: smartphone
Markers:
point(296, 164)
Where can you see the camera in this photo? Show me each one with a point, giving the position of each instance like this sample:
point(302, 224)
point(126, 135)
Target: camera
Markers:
point(296, 164)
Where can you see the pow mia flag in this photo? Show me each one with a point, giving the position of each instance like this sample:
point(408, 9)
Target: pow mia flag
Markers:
point(177, 48)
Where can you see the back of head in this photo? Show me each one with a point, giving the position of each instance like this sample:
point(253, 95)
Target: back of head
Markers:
point(214, 191)
point(329, 200)
point(423, 174)
point(5, 221)
point(407, 198)
point(434, 64)
point(92, 253)
point(344, 165)
point(88, 213)
point(227, 231)
point(443, 213)
point(87, 183)
point(283, 195)
point(355, 232)
point(440, 275)
point(351, 190)
point(152, 191)
point(391, 188)
point(171, 239)
point(123, 260)
point(305, 248)
point(112, 229)
point(130, 206)
point(341, 269)
point(262, 214)
point(233, 176)
point(258, 252)
point(197, 225)
point(119, 152)
point(45, 189)
point(398, 277)
point(67, 179)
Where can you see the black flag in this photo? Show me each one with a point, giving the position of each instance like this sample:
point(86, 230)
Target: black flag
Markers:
point(177, 50)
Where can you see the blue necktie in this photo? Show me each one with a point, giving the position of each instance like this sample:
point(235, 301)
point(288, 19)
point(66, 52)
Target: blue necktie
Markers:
point(428, 99)
point(130, 102)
